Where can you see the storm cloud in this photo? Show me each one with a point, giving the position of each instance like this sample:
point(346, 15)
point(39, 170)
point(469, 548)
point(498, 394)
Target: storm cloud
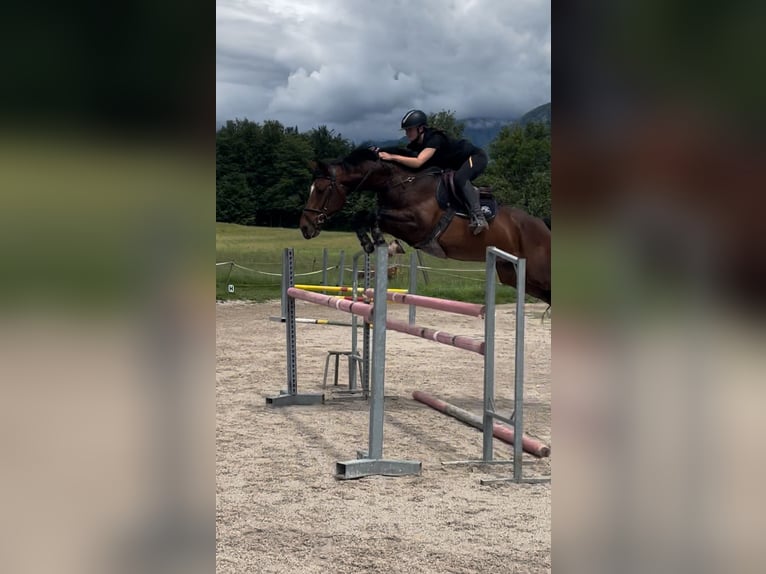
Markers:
point(357, 65)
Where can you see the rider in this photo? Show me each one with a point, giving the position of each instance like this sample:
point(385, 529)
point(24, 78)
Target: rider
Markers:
point(435, 148)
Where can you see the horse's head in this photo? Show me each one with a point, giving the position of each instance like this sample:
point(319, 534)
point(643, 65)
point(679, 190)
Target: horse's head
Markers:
point(330, 188)
point(326, 197)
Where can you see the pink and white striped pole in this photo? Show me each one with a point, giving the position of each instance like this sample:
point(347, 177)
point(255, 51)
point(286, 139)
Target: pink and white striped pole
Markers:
point(504, 433)
point(365, 310)
point(459, 341)
point(356, 307)
point(460, 307)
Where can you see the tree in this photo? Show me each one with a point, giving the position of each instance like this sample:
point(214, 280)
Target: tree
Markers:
point(233, 200)
point(445, 120)
point(521, 166)
point(326, 144)
point(262, 171)
point(283, 200)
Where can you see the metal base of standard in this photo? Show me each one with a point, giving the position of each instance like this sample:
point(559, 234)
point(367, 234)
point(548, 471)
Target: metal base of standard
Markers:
point(342, 394)
point(490, 481)
point(362, 467)
point(286, 399)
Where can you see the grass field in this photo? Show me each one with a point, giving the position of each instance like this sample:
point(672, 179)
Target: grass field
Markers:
point(252, 263)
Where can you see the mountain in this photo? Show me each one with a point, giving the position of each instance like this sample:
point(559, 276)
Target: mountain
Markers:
point(481, 131)
point(539, 114)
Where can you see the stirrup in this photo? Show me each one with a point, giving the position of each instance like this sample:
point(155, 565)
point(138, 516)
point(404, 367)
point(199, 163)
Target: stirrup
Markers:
point(478, 224)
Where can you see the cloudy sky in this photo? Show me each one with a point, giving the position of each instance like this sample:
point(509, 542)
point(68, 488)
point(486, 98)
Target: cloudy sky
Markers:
point(357, 66)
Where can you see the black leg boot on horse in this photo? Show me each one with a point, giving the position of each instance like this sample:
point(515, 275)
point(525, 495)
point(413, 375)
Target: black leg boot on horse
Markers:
point(471, 196)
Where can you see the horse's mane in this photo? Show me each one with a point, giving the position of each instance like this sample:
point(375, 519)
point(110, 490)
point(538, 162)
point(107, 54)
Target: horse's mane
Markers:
point(358, 157)
point(362, 154)
point(354, 159)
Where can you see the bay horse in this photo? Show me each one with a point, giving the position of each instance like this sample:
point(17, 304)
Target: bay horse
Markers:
point(407, 208)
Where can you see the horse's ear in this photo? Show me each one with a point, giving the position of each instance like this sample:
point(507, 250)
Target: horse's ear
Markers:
point(319, 167)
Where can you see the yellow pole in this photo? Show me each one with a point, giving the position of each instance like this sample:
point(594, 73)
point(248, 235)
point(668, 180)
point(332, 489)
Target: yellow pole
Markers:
point(341, 289)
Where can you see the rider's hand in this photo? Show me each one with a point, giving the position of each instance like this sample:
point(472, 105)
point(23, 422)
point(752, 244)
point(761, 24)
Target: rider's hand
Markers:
point(385, 156)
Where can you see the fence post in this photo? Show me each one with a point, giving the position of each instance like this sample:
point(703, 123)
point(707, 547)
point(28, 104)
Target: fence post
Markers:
point(420, 261)
point(341, 267)
point(324, 268)
point(413, 282)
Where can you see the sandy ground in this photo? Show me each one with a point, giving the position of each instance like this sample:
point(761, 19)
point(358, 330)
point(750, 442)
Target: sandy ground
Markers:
point(279, 506)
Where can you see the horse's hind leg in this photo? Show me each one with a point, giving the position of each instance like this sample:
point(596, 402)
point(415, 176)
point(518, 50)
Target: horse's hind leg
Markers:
point(506, 272)
point(539, 278)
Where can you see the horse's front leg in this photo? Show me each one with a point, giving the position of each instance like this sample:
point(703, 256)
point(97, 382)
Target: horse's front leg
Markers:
point(364, 239)
point(377, 235)
point(363, 222)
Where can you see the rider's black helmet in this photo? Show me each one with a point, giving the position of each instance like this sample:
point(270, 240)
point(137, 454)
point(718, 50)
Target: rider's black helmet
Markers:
point(413, 119)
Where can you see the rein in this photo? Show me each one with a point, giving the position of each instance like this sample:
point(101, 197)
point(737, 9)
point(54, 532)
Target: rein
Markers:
point(407, 180)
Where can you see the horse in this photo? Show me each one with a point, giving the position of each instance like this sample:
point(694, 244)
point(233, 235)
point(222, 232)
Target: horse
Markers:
point(407, 208)
point(395, 248)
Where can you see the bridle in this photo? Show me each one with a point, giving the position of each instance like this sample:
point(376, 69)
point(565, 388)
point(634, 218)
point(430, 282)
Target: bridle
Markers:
point(322, 215)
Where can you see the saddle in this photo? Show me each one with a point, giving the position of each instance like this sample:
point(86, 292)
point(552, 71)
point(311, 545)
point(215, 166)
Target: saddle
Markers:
point(448, 198)
point(453, 204)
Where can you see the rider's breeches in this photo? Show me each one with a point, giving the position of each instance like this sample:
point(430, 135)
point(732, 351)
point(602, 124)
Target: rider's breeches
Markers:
point(472, 168)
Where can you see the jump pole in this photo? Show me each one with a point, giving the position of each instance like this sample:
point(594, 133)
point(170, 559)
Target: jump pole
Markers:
point(460, 307)
point(505, 434)
point(312, 321)
point(341, 289)
point(366, 310)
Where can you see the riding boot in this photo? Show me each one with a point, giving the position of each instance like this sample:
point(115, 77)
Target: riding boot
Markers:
point(478, 221)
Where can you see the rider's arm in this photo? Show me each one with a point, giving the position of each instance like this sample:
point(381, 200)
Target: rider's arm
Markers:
point(413, 162)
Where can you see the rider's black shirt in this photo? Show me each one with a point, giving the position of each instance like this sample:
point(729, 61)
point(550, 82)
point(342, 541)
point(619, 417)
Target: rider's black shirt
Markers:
point(449, 154)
